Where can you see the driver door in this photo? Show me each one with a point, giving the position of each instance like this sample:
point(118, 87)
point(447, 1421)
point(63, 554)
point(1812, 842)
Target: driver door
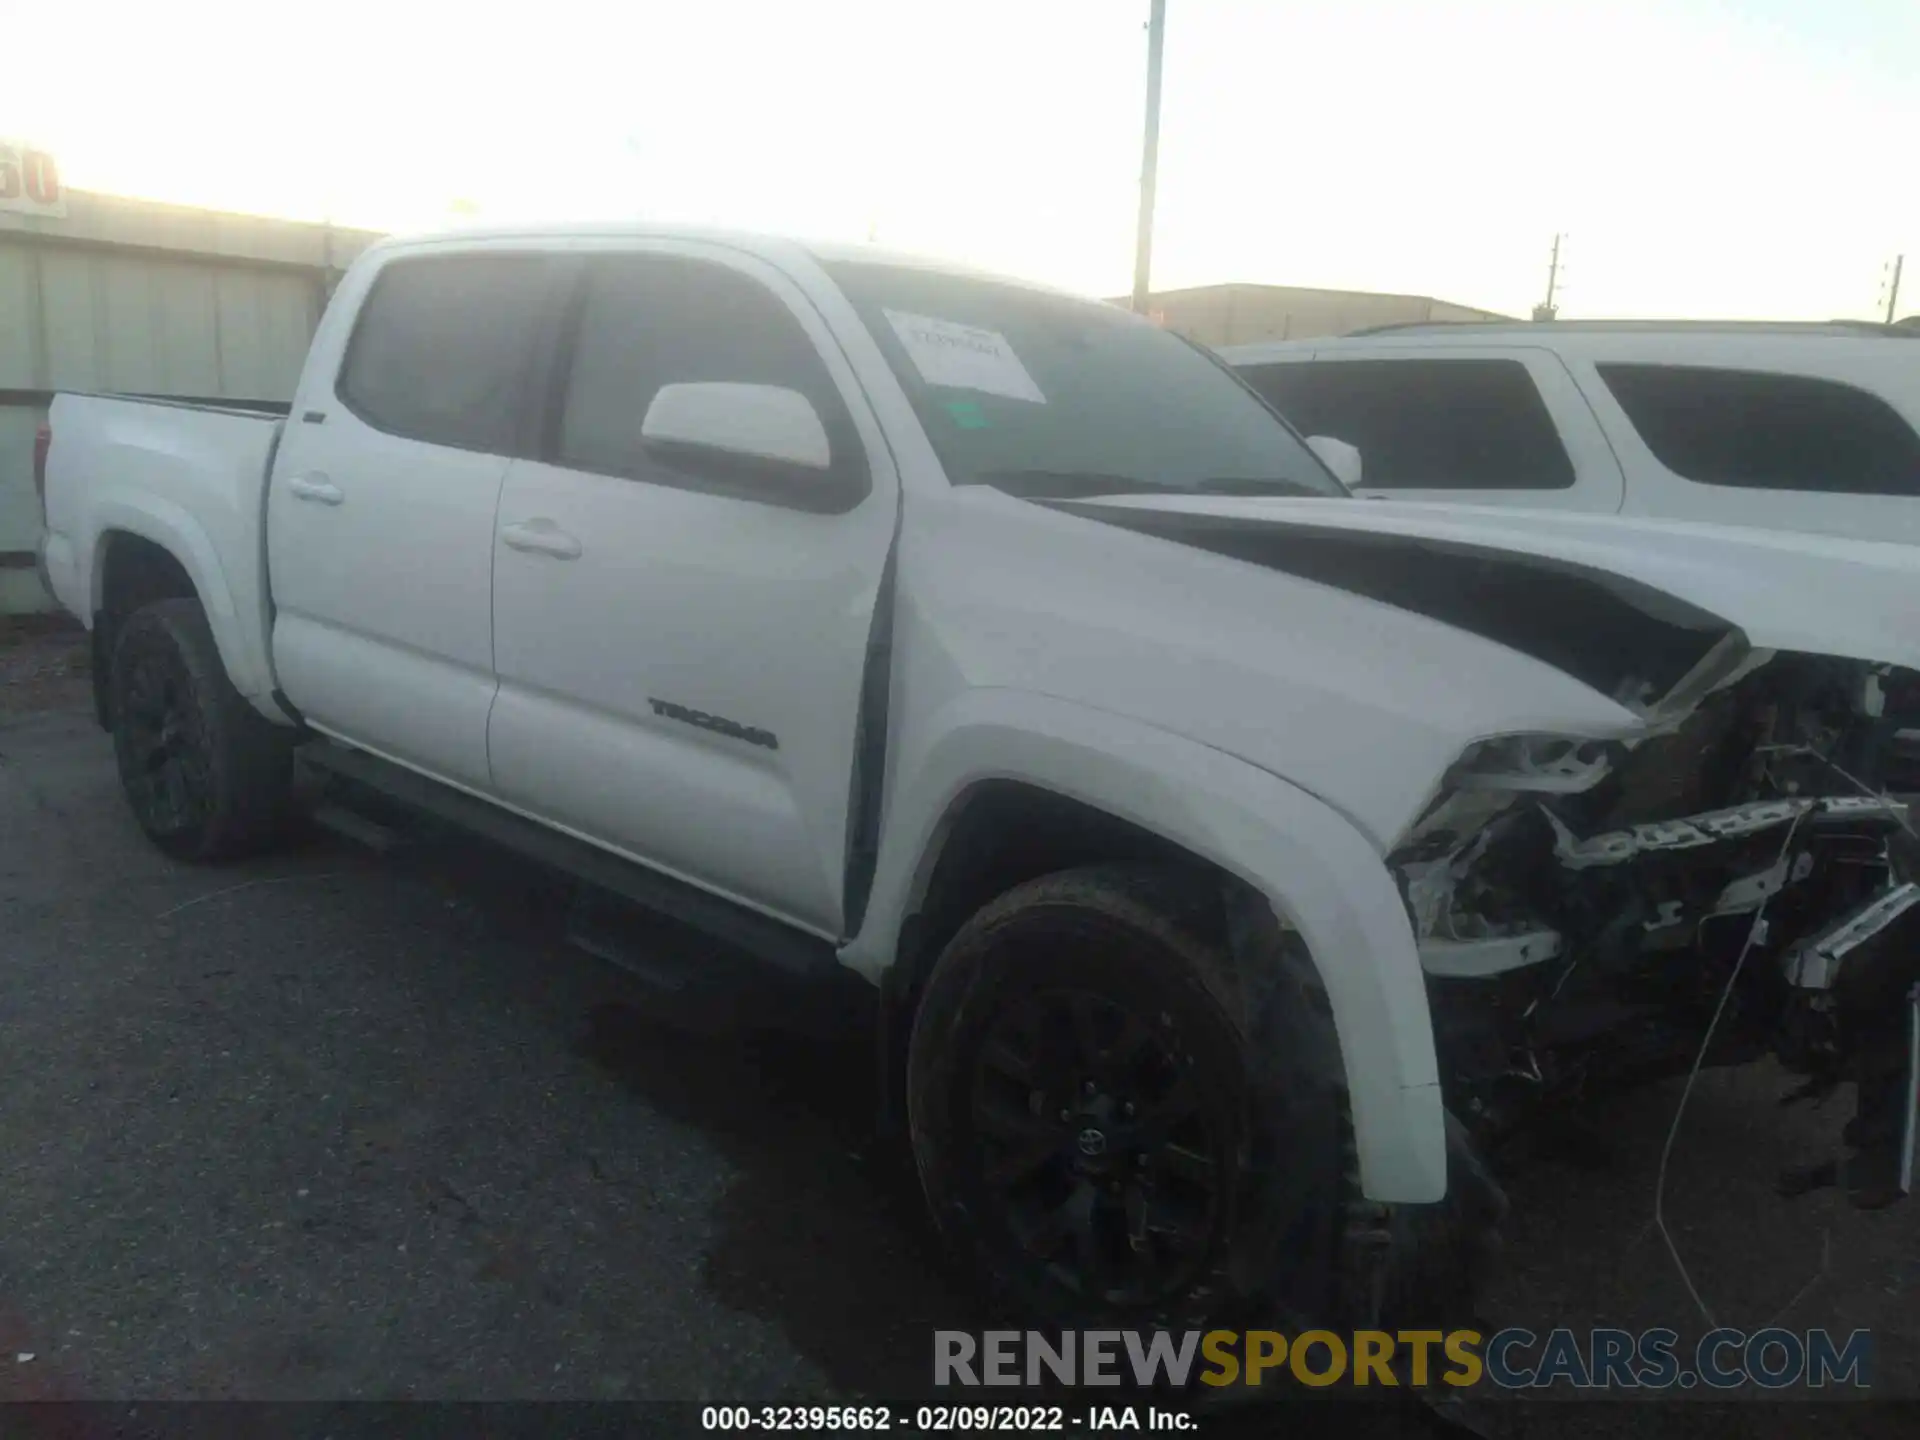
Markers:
point(680, 662)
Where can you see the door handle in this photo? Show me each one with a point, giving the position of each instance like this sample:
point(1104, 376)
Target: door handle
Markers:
point(541, 537)
point(316, 488)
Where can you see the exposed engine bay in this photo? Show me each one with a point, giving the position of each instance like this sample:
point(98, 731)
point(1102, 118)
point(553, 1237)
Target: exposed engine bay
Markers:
point(1739, 878)
point(1590, 914)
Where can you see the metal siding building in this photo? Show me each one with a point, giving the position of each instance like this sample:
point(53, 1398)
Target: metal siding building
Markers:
point(128, 295)
point(1241, 314)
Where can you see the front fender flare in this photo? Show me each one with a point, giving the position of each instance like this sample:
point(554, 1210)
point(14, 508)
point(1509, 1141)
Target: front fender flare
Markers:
point(1320, 874)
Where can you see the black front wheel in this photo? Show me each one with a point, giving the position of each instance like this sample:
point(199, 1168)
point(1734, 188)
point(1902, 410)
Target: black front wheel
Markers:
point(207, 776)
point(1112, 1123)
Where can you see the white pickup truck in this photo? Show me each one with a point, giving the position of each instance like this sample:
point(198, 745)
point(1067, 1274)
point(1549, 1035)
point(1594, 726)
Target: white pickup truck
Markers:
point(1237, 864)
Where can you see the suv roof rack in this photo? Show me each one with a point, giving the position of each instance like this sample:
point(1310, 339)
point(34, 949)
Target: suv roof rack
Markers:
point(1906, 329)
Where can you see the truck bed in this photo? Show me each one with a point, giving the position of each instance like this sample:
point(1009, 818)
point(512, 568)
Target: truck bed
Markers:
point(186, 475)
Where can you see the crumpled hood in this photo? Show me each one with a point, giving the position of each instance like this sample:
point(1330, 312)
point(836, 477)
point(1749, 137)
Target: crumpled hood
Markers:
point(1818, 594)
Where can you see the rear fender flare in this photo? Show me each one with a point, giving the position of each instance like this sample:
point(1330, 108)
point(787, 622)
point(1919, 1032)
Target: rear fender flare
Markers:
point(174, 529)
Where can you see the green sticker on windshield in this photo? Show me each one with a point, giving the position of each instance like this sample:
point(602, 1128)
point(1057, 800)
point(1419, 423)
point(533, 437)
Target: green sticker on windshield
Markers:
point(966, 414)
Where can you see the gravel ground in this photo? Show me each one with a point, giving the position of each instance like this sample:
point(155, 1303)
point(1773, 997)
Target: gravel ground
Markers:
point(44, 664)
point(331, 1125)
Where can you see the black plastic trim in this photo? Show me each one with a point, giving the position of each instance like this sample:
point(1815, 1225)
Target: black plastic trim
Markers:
point(868, 781)
point(246, 409)
point(292, 710)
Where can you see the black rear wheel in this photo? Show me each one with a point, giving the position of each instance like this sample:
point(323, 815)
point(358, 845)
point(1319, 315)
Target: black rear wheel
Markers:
point(206, 775)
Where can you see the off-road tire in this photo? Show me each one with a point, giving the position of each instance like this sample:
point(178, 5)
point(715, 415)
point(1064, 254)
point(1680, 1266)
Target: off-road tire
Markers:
point(207, 776)
point(1256, 1036)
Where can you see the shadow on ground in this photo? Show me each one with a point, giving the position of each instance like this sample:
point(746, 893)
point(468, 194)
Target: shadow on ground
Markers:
point(821, 1229)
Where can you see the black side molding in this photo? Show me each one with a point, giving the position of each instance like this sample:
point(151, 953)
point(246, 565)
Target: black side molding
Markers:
point(793, 951)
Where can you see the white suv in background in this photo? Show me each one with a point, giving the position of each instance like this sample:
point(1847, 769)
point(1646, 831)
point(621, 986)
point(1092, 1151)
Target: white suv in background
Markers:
point(1814, 428)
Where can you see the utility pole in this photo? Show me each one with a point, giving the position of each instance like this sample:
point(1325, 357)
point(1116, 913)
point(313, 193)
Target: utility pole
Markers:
point(1893, 289)
point(1546, 311)
point(1150, 159)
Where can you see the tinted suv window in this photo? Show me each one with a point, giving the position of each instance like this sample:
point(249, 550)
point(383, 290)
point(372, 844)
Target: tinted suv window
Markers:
point(441, 346)
point(1768, 432)
point(1426, 424)
point(653, 320)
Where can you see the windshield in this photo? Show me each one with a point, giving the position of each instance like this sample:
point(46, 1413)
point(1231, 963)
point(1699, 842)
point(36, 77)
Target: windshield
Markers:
point(1052, 397)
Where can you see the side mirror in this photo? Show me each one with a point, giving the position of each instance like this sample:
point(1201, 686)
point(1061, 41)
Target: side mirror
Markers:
point(1339, 457)
point(762, 435)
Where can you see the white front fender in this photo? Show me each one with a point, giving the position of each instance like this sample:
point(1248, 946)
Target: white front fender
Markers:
point(1319, 872)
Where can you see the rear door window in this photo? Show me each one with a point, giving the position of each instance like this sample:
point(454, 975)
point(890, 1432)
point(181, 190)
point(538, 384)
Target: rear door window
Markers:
point(1761, 431)
point(1426, 424)
point(442, 346)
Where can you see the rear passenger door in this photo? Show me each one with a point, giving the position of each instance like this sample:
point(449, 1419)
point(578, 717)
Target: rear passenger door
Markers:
point(1476, 425)
point(381, 504)
point(681, 659)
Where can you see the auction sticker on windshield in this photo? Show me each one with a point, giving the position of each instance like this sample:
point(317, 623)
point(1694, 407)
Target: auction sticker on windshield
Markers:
point(964, 357)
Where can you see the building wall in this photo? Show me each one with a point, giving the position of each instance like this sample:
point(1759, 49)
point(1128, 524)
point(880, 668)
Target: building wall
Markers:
point(1241, 314)
point(100, 320)
point(126, 295)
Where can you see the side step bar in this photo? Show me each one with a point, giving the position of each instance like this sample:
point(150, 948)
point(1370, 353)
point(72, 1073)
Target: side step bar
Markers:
point(792, 951)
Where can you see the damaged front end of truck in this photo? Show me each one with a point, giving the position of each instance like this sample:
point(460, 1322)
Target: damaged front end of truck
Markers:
point(1593, 915)
point(1733, 877)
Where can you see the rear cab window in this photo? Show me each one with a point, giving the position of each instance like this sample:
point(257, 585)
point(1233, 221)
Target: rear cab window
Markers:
point(1761, 431)
point(1428, 423)
point(442, 348)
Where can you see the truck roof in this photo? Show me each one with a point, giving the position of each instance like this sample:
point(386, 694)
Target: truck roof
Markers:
point(768, 246)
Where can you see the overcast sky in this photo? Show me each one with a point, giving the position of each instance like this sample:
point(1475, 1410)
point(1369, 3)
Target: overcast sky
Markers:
point(1705, 157)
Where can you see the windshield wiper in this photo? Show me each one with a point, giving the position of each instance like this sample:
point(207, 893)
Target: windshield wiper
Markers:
point(1272, 486)
point(1088, 485)
point(1071, 484)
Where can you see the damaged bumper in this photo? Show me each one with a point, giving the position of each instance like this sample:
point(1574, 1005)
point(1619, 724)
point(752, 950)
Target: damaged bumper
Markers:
point(1736, 822)
point(1857, 984)
point(1566, 958)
